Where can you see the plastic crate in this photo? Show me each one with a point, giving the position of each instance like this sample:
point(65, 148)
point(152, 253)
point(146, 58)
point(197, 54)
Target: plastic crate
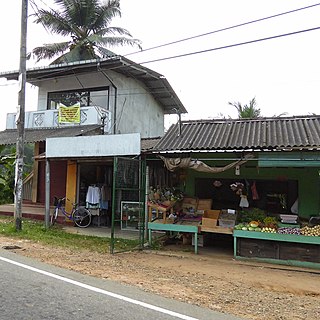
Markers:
point(226, 223)
point(227, 220)
point(200, 238)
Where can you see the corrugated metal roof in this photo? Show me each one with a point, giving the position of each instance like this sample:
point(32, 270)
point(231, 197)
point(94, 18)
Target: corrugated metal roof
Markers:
point(8, 137)
point(149, 143)
point(243, 134)
point(156, 84)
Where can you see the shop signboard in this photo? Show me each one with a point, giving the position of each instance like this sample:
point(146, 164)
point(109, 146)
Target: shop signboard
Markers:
point(94, 146)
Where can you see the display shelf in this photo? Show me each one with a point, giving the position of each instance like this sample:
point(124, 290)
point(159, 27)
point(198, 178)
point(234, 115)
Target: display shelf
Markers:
point(156, 211)
point(286, 249)
point(130, 212)
point(276, 236)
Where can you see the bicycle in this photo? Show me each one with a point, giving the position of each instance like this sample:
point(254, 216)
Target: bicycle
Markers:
point(79, 215)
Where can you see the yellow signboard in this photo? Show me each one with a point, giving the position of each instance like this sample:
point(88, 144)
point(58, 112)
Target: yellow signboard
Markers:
point(69, 114)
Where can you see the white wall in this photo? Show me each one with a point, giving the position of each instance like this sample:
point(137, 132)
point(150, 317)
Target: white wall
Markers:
point(136, 109)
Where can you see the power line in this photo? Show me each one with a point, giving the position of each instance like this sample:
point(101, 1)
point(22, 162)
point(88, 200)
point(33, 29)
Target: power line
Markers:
point(215, 49)
point(207, 33)
point(8, 84)
point(227, 46)
point(223, 29)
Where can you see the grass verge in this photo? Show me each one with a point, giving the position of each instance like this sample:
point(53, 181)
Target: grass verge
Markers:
point(55, 236)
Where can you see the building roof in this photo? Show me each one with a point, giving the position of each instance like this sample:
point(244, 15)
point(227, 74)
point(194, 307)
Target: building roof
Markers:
point(156, 84)
point(149, 143)
point(301, 132)
point(10, 136)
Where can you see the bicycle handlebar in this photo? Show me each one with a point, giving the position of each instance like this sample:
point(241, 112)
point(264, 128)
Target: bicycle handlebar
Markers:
point(61, 200)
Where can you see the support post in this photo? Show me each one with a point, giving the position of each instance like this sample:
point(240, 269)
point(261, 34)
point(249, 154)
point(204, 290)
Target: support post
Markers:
point(47, 205)
point(146, 208)
point(20, 119)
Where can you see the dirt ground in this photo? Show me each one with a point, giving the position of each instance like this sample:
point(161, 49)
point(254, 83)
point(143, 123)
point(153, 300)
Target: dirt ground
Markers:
point(211, 279)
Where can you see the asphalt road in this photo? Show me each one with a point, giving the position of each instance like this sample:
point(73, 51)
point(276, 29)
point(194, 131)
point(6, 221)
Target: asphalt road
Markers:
point(30, 290)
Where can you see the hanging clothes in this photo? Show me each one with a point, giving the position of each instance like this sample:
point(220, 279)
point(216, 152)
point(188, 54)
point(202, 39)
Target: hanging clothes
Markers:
point(255, 195)
point(105, 197)
point(93, 196)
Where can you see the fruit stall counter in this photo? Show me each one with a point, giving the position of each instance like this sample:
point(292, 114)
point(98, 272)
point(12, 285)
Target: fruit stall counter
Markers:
point(286, 249)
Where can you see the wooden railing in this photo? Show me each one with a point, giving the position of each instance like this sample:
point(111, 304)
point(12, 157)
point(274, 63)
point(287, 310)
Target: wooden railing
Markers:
point(27, 187)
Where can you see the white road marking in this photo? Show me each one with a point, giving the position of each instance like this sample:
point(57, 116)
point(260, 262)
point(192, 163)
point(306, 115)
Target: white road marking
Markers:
point(105, 292)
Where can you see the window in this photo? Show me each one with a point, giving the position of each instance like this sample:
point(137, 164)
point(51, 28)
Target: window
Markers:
point(86, 97)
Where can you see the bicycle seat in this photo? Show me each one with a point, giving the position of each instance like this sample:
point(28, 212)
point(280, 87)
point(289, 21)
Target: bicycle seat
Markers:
point(59, 201)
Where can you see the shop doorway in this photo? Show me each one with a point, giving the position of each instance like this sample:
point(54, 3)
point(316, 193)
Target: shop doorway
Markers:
point(95, 190)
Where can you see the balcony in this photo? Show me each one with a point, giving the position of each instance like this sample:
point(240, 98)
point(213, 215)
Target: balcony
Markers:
point(49, 119)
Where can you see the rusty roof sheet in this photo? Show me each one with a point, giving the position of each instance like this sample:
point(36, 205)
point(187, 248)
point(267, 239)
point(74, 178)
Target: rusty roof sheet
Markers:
point(9, 136)
point(301, 132)
point(149, 143)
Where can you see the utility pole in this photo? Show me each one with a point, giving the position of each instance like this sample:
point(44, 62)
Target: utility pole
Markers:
point(20, 119)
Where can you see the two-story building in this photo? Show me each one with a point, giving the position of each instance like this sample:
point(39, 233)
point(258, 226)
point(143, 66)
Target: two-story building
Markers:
point(88, 113)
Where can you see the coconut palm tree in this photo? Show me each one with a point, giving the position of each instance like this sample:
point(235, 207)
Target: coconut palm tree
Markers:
point(87, 24)
point(250, 111)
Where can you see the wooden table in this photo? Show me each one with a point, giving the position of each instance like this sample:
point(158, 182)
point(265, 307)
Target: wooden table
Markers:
point(159, 210)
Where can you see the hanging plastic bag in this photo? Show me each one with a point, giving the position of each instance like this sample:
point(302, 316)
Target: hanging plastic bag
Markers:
point(244, 201)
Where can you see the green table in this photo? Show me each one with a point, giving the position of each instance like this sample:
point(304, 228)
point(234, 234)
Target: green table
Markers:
point(175, 227)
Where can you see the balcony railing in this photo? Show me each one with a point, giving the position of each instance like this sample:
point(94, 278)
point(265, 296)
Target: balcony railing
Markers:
point(49, 119)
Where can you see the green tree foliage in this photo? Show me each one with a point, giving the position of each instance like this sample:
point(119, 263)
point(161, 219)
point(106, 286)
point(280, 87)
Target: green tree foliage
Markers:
point(7, 158)
point(250, 111)
point(7, 170)
point(87, 24)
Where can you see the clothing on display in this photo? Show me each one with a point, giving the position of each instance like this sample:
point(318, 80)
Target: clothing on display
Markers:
point(98, 198)
point(93, 195)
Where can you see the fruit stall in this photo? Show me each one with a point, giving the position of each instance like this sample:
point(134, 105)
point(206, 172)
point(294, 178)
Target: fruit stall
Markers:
point(280, 240)
point(170, 211)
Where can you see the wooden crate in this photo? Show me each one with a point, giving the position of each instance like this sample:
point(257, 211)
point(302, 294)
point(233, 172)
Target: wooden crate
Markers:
point(188, 203)
point(210, 218)
point(204, 204)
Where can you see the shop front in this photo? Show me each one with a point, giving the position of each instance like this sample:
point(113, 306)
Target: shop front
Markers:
point(227, 202)
point(263, 200)
point(104, 174)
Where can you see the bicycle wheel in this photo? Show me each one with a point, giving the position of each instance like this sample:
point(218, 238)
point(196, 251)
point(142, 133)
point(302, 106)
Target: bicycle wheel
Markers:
point(82, 217)
point(54, 216)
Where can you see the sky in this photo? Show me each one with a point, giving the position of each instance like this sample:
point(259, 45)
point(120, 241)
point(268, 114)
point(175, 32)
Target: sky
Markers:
point(282, 74)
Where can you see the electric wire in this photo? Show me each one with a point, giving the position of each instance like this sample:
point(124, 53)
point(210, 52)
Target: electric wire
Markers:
point(225, 47)
point(212, 32)
point(223, 29)
point(8, 84)
point(217, 48)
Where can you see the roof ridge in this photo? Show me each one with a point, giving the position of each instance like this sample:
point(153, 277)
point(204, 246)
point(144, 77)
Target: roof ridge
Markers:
point(252, 120)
